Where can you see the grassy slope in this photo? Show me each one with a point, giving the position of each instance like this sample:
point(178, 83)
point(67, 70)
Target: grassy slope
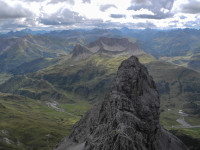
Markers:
point(176, 46)
point(34, 66)
point(32, 88)
point(172, 43)
point(190, 60)
point(18, 54)
point(4, 77)
point(178, 86)
point(18, 51)
point(89, 79)
point(190, 137)
point(26, 123)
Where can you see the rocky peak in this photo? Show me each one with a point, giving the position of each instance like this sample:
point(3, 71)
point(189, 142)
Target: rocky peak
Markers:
point(102, 41)
point(115, 45)
point(113, 41)
point(79, 50)
point(127, 118)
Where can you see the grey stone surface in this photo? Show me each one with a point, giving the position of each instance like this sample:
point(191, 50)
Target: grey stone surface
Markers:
point(127, 118)
point(80, 53)
point(106, 46)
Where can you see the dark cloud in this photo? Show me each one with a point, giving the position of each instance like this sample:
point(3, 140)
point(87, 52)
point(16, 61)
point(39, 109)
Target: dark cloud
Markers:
point(154, 6)
point(105, 7)
point(51, 1)
point(50, 21)
point(142, 2)
point(62, 17)
point(128, 25)
point(86, 1)
point(58, 1)
point(33, 0)
point(192, 8)
point(188, 24)
point(91, 23)
point(8, 12)
point(144, 25)
point(157, 16)
point(12, 24)
point(117, 16)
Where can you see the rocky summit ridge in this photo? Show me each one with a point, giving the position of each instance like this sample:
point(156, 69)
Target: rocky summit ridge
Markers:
point(107, 46)
point(127, 118)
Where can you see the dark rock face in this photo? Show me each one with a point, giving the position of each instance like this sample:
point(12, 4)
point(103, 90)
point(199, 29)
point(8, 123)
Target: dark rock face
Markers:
point(127, 118)
point(114, 46)
point(106, 46)
point(78, 50)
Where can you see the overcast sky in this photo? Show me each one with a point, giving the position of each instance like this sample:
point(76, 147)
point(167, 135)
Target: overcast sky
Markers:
point(69, 14)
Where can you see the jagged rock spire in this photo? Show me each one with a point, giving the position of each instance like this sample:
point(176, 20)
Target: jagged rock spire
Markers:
point(127, 118)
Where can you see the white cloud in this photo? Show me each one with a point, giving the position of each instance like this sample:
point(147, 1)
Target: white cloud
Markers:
point(80, 13)
point(143, 11)
point(164, 10)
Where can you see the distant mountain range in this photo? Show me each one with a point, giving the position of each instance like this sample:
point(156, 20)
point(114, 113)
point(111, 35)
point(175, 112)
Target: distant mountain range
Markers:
point(23, 33)
point(16, 51)
point(177, 46)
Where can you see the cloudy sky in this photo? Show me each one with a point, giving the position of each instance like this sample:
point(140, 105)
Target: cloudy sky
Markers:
point(68, 14)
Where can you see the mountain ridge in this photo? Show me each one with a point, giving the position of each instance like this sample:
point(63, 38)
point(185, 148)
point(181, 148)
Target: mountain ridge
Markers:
point(108, 46)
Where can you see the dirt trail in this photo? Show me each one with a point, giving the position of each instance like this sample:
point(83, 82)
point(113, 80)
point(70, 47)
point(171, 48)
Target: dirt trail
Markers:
point(56, 106)
point(183, 123)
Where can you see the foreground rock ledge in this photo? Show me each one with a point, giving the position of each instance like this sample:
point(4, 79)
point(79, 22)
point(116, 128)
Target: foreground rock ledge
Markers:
point(127, 118)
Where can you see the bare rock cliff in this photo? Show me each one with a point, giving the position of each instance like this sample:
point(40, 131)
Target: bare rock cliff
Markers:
point(127, 118)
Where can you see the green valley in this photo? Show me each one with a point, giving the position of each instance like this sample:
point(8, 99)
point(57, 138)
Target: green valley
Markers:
point(31, 124)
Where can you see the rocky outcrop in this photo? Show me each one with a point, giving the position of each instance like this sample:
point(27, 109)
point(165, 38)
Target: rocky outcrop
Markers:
point(107, 46)
point(114, 46)
point(80, 52)
point(127, 118)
